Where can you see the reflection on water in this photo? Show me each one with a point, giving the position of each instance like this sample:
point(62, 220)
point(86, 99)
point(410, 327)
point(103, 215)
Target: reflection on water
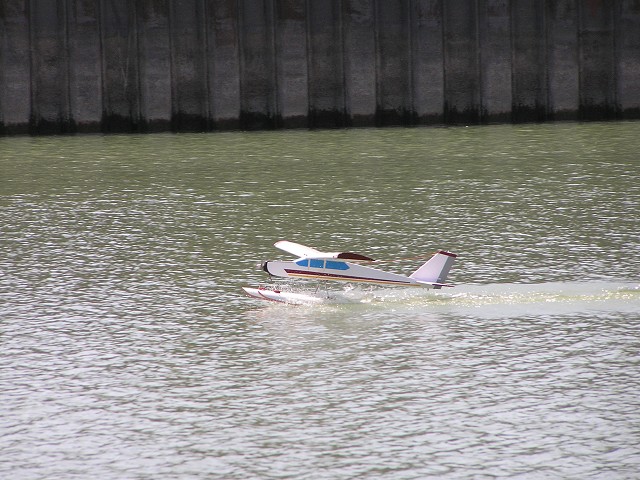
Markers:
point(129, 350)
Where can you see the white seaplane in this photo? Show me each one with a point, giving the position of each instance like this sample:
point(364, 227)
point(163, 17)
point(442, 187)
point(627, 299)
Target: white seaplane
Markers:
point(343, 267)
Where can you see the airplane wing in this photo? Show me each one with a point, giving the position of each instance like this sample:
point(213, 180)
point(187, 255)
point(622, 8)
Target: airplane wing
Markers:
point(302, 251)
point(298, 250)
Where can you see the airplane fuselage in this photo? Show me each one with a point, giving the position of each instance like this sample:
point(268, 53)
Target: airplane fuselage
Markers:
point(335, 270)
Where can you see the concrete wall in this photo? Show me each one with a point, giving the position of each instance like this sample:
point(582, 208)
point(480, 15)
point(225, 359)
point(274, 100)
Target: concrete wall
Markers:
point(195, 65)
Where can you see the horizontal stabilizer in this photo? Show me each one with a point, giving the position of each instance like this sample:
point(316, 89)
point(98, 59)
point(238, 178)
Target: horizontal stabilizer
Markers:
point(436, 285)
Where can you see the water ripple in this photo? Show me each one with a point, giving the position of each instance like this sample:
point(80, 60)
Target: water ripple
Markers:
point(128, 350)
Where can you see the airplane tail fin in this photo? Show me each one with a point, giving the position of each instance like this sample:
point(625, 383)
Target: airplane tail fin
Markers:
point(434, 272)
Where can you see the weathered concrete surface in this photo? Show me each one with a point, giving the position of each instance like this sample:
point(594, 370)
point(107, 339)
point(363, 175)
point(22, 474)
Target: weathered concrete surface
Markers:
point(359, 50)
point(494, 36)
point(223, 64)
point(529, 69)
point(85, 67)
point(154, 61)
point(291, 63)
point(563, 61)
point(49, 67)
point(326, 64)
point(627, 40)
point(461, 62)
point(428, 67)
point(197, 65)
point(15, 67)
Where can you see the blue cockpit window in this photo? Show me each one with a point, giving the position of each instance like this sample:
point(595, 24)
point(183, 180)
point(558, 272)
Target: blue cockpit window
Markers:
point(337, 265)
point(318, 263)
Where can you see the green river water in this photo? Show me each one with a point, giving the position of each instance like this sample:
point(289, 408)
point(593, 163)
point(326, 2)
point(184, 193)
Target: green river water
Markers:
point(128, 349)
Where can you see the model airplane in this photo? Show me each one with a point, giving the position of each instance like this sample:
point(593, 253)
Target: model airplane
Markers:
point(344, 267)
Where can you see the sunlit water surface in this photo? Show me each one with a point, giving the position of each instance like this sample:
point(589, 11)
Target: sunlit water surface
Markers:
point(129, 351)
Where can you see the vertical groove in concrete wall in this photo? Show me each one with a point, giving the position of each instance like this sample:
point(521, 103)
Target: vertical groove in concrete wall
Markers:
point(257, 88)
point(563, 59)
point(494, 40)
point(359, 53)
point(394, 104)
point(326, 77)
point(628, 64)
point(427, 59)
point(291, 58)
point(119, 66)
point(529, 67)
point(461, 96)
point(191, 65)
point(15, 67)
point(85, 70)
point(48, 35)
point(597, 61)
point(154, 61)
point(224, 64)
point(188, 65)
